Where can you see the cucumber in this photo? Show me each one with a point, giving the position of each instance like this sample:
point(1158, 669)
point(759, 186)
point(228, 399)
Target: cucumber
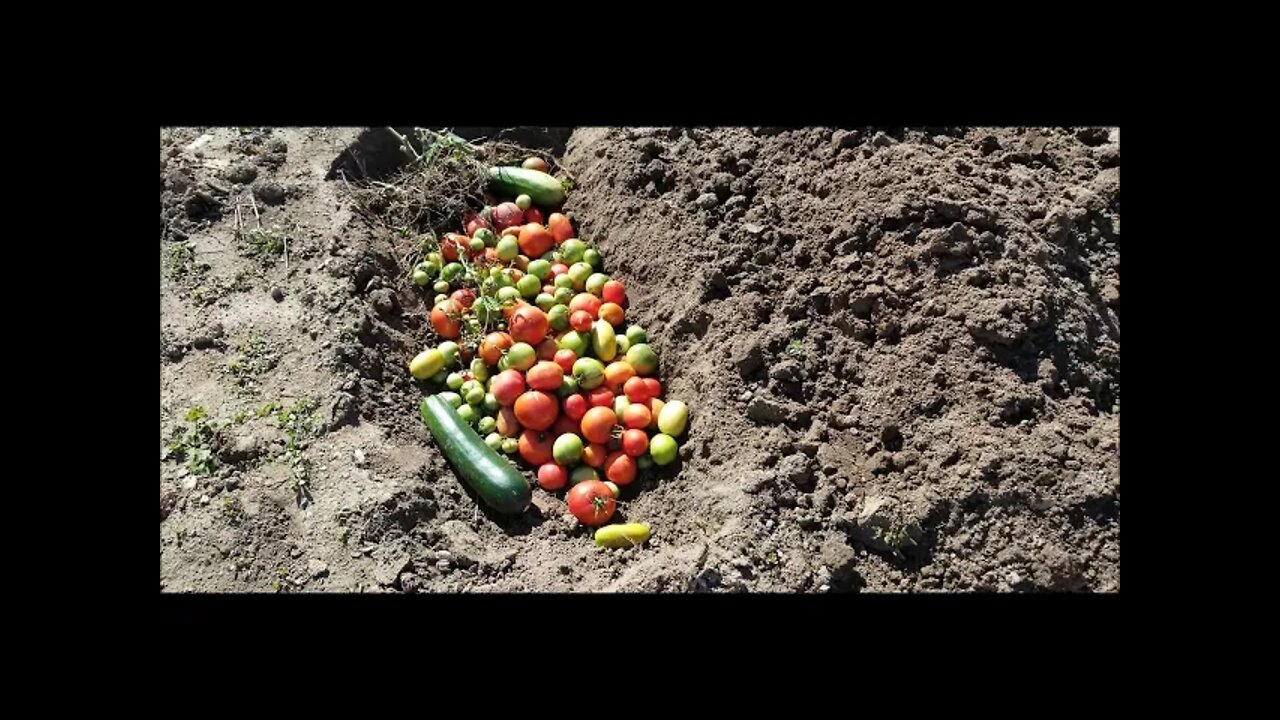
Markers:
point(490, 475)
point(545, 190)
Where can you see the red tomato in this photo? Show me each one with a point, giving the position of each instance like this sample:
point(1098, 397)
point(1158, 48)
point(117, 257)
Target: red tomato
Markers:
point(620, 467)
point(616, 375)
point(634, 442)
point(585, 301)
point(597, 424)
point(636, 416)
point(594, 455)
point(552, 476)
point(529, 324)
point(565, 359)
point(508, 426)
point(493, 345)
point(533, 215)
point(614, 292)
point(653, 386)
point(465, 297)
point(506, 215)
point(561, 228)
point(448, 250)
point(591, 502)
point(445, 319)
point(557, 270)
point(473, 222)
point(547, 349)
point(507, 387)
point(636, 390)
point(600, 397)
point(491, 254)
point(535, 240)
point(535, 447)
point(537, 409)
point(545, 375)
point(580, 321)
point(564, 425)
point(575, 406)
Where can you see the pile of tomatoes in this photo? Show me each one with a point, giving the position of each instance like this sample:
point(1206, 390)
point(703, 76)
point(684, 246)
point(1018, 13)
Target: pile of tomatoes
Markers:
point(537, 355)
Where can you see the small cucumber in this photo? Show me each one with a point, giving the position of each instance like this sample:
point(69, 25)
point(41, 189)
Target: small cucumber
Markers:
point(544, 190)
point(621, 536)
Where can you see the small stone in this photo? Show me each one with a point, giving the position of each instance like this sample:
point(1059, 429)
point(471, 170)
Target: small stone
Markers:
point(387, 572)
point(706, 201)
point(753, 229)
point(189, 482)
point(295, 552)
point(204, 499)
point(905, 459)
point(882, 140)
point(384, 301)
point(443, 565)
point(317, 568)
point(243, 174)
point(269, 192)
point(359, 457)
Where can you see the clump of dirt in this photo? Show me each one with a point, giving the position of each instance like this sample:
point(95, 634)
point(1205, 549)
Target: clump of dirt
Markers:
point(900, 348)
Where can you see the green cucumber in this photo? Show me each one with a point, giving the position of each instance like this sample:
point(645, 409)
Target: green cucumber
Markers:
point(490, 475)
point(545, 190)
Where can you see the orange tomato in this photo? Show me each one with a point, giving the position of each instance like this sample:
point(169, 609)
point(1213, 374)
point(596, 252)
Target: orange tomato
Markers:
point(537, 409)
point(636, 417)
point(508, 425)
point(597, 424)
point(616, 375)
point(655, 408)
point(614, 292)
point(585, 302)
point(535, 447)
point(611, 313)
point(546, 375)
point(561, 228)
point(492, 346)
point(446, 319)
point(620, 468)
point(529, 325)
point(535, 240)
point(594, 455)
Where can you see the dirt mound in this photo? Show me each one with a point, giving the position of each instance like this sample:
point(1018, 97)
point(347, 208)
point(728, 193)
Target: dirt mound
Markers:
point(901, 351)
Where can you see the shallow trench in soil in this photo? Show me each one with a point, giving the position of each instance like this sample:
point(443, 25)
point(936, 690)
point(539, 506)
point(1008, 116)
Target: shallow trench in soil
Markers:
point(900, 349)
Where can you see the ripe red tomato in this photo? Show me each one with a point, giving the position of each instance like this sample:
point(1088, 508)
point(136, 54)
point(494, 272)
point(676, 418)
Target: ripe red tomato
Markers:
point(506, 215)
point(557, 270)
point(446, 320)
point(564, 425)
point(634, 443)
point(465, 297)
point(591, 502)
point(537, 409)
point(620, 468)
point(653, 386)
point(636, 390)
point(600, 397)
point(545, 375)
point(552, 476)
point(507, 387)
point(535, 240)
point(529, 325)
point(547, 349)
point(533, 215)
point(580, 321)
point(597, 424)
point(561, 228)
point(614, 292)
point(575, 406)
point(473, 222)
point(565, 359)
point(585, 301)
point(535, 447)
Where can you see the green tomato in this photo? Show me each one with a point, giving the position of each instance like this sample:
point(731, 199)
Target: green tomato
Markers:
point(579, 272)
point(479, 370)
point(435, 259)
point(504, 362)
point(441, 287)
point(491, 403)
point(508, 248)
point(487, 237)
point(523, 201)
point(558, 316)
point(508, 294)
point(477, 245)
point(452, 398)
point(427, 363)
point(603, 341)
point(573, 340)
point(487, 425)
point(494, 441)
point(468, 414)
point(593, 258)
point(563, 282)
point(568, 386)
point(495, 272)
point(544, 302)
point(455, 381)
point(510, 445)
point(475, 396)
point(421, 276)
point(521, 356)
point(595, 283)
point(467, 386)
point(564, 294)
point(572, 250)
point(504, 279)
point(623, 344)
point(451, 272)
point(636, 334)
point(663, 448)
point(486, 212)
point(529, 286)
point(449, 349)
point(582, 473)
point(540, 269)
point(551, 256)
point(567, 449)
point(673, 418)
point(642, 359)
point(589, 373)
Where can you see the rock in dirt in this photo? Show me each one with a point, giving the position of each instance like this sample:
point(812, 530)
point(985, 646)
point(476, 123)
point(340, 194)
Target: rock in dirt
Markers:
point(749, 359)
point(269, 192)
point(388, 571)
point(772, 411)
point(277, 294)
point(243, 448)
point(384, 301)
point(798, 469)
point(242, 173)
point(317, 568)
point(880, 526)
point(706, 201)
point(837, 556)
point(189, 482)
